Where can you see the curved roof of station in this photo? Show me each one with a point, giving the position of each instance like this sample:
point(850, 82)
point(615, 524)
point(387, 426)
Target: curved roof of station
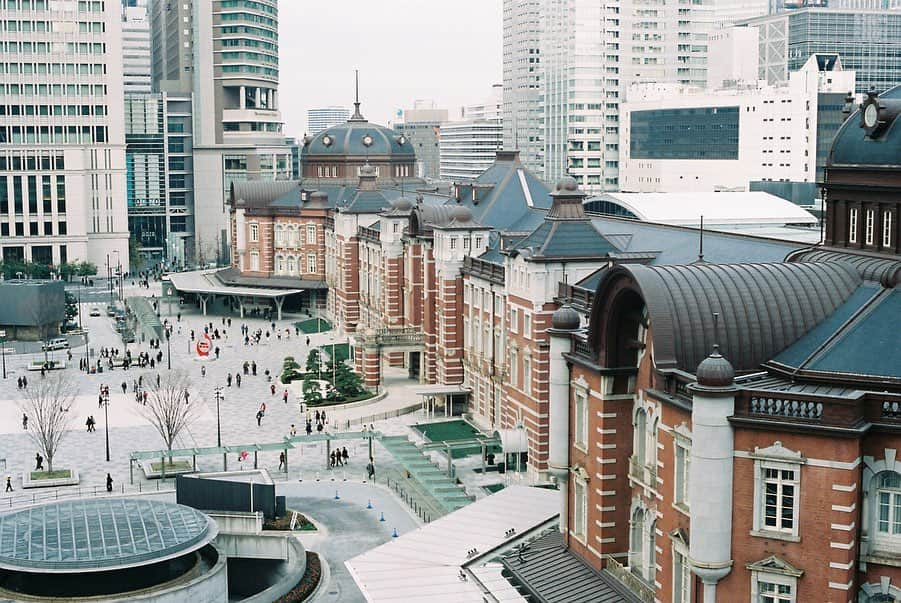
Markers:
point(100, 534)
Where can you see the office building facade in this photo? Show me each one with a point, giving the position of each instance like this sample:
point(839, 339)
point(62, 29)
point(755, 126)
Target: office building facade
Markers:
point(469, 146)
point(323, 118)
point(422, 125)
point(677, 139)
point(522, 82)
point(868, 41)
point(62, 164)
point(136, 47)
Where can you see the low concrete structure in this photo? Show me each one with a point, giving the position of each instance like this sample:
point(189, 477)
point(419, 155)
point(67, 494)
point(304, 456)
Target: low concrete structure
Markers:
point(31, 310)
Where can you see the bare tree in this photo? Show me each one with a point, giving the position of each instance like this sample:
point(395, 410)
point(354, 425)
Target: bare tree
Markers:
point(169, 407)
point(46, 404)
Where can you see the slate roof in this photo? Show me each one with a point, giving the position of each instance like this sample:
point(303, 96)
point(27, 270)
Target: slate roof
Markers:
point(851, 146)
point(880, 269)
point(565, 239)
point(548, 572)
point(763, 308)
point(260, 193)
point(860, 339)
point(347, 139)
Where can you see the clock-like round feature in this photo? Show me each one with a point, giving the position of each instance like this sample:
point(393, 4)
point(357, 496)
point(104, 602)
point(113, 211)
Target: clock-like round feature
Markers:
point(367, 140)
point(871, 115)
point(327, 140)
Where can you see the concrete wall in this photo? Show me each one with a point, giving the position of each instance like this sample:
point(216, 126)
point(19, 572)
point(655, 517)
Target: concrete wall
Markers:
point(265, 545)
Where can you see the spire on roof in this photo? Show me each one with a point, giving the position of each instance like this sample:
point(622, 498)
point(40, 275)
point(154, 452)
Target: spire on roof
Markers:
point(357, 116)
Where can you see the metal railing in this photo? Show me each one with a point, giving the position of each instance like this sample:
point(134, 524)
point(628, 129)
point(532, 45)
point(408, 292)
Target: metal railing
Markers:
point(404, 336)
point(46, 495)
point(388, 414)
point(636, 585)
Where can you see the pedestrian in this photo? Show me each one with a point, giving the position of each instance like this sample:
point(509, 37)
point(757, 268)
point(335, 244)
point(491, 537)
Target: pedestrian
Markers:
point(145, 398)
point(109, 483)
point(272, 389)
point(238, 379)
point(158, 379)
point(293, 431)
point(370, 469)
point(317, 417)
point(38, 461)
point(217, 352)
point(178, 316)
point(253, 368)
point(332, 459)
point(308, 341)
point(203, 371)
point(88, 423)
point(338, 460)
point(259, 418)
point(324, 420)
point(24, 381)
point(281, 460)
point(285, 396)
point(9, 483)
point(319, 427)
point(309, 427)
point(228, 379)
point(246, 367)
point(344, 454)
point(43, 373)
point(24, 421)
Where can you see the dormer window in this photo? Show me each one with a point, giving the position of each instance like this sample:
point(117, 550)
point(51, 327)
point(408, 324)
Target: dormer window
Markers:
point(453, 243)
point(887, 229)
point(868, 231)
point(852, 225)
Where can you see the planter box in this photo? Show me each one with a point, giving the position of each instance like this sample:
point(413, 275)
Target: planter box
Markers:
point(182, 466)
point(55, 366)
point(28, 482)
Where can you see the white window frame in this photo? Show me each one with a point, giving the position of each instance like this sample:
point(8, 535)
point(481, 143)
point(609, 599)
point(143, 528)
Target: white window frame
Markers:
point(254, 261)
point(580, 509)
point(254, 232)
point(682, 577)
point(514, 320)
point(279, 265)
point(779, 459)
point(311, 263)
point(292, 264)
point(514, 368)
point(869, 227)
point(527, 373)
point(311, 234)
point(887, 228)
point(526, 324)
point(891, 540)
point(758, 578)
point(580, 431)
point(852, 225)
point(681, 471)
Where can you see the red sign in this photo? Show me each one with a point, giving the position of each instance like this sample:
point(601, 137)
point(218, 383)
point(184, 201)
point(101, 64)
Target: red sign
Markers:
point(204, 345)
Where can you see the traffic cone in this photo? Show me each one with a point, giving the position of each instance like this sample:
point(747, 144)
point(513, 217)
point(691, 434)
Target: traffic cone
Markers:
point(336, 495)
point(394, 534)
point(369, 504)
point(382, 518)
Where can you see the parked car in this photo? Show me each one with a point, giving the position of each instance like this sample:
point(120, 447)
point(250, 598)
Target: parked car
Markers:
point(59, 343)
point(95, 312)
point(111, 310)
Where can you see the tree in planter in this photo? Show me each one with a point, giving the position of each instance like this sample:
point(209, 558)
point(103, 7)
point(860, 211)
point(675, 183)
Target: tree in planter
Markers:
point(86, 269)
point(46, 404)
point(348, 383)
point(71, 307)
point(169, 408)
point(289, 369)
point(312, 393)
point(314, 362)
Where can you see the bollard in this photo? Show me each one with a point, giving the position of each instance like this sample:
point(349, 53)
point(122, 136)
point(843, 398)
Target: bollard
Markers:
point(336, 495)
point(382, 518)
point(369, 504)
point(394, 534)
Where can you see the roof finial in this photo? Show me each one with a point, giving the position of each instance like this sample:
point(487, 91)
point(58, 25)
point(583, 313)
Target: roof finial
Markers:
point(357, 116)
point(701, 245)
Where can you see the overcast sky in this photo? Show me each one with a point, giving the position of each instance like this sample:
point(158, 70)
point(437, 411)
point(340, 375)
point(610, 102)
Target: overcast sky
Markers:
point(446, 50)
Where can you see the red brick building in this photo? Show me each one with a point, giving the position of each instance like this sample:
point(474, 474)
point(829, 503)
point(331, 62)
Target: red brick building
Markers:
point(729, 432)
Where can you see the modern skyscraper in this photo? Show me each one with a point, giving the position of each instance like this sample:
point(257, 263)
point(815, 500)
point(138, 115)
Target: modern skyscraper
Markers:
point(469, 146)
point(62, 162)
point(421, 125)
point(226, 55)
point(322, 118)
point(136, 46)
point(868, 41)
point(522, 83)
point(590, 53)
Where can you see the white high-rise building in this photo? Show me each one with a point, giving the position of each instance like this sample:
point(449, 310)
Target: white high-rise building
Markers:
point(136, 47)
point(322, 118)
point(591, 51)
point(469, 146)
point(62, 164)
point(523, 129)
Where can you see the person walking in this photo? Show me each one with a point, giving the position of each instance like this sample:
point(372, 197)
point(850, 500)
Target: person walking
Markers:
point(259, 418)
point(272, 389)
point(370, 469)
point(88, 424)
point(324, 420)
point(344, 454)
point(246, 367)
point(293, 431)
point(238, 379)
point(331, 459)
point(309, 427)
point(109, 483)
point(281, 460)
point(38, 461)
point(24, 421)
point(24, 382)
point(203, 371)
point(9, 483)
point(317, 417)
point(319, 427)
point(228, 379)
point(253, 368)
point(285, 396)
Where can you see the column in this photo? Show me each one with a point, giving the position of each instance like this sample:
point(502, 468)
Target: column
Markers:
point(558, 412)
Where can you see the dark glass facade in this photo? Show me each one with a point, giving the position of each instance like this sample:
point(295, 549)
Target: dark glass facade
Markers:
point(688, 133)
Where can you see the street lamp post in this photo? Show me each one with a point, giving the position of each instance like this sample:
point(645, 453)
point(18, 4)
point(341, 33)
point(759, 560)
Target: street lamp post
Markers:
point(3, 351)
point(219, 397)
point(169, 347)
point(106, 420)
point(109, 278)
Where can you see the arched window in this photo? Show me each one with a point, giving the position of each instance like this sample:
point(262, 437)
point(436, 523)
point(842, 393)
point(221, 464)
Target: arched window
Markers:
point(279, 265)
point(651, 536)
point(637, 542)
point(641, 436)
point(292, 265)
point(888, 506)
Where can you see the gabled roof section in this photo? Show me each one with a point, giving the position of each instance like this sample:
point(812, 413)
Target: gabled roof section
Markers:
point(569, 240)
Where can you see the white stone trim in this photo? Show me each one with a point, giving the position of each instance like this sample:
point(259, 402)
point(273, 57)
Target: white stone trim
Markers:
point(844, 546)
point(841, 488)
point(842, 527)
point(840, 585)
point(841, 566)
point(843, 509)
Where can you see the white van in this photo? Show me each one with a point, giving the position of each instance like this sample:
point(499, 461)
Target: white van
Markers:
point(60, 343)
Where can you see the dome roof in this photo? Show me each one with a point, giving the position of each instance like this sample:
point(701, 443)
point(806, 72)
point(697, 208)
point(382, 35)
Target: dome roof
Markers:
point(567, 184)
point(715, 371)
point(565, 319)
point(879, 143)
point(402, 204)
point(461, 214)
point(359, 137)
